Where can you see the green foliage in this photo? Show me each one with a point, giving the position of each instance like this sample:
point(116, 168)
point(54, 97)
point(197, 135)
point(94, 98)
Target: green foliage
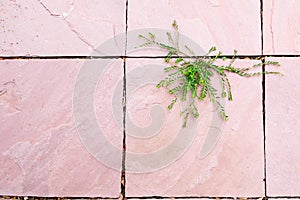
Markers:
point(190, 78)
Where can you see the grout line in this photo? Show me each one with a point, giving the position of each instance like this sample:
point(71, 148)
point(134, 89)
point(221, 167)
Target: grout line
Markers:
point(51, 198)
point(57, 57)
point(264, 124)
point(191, 197)
point(124, 102)
point(263, 95)
point(262, 26)
point(251, 57)
point(123, 172)
point(224, 55)
point(284, 197)
point(126, 29)
point(143, 197)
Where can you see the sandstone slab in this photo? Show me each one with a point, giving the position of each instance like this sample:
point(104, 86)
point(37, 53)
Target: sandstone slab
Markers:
point(234, 167)
point(42, 154)
point(282, 130)
point(228, 25)
point(281, 27)
point(60, 28)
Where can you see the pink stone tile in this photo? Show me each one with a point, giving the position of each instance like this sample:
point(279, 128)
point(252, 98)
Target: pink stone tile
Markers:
point(233, 168)
point(41, 151)
point(282, 130)
point(281, 27)
point(228, 25)
point(45, 27)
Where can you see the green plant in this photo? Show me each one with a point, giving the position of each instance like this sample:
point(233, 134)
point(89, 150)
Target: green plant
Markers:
point(190, 76)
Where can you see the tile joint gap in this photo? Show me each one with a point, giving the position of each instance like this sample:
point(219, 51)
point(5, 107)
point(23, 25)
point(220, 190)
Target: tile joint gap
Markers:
point(263, 96)
point(124, 102)
point(251, 57)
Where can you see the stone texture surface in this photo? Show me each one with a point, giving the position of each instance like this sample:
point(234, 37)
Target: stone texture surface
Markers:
point(45, 27)
point(41, 152)
point(233, 168)
point(228, 24)
point(283, 112)
point(281, 27)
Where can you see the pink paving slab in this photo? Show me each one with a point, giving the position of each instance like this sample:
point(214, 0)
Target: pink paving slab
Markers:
point(233, 168)
point(45, 27)
point(41, 151)
point(282, 130)
point(228, 24)
point(281, 27)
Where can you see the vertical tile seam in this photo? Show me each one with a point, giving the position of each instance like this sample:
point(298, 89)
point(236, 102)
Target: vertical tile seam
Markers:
point(124, 102)
point(263, 97)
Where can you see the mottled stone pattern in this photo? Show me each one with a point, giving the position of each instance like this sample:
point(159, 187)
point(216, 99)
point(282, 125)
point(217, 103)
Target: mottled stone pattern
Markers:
point(51, 148)
point(228, 170)
point(283, 112)
point(41, 152)
point(282, 36)
point(281, 27)
point(227, 24)
point(45, 27)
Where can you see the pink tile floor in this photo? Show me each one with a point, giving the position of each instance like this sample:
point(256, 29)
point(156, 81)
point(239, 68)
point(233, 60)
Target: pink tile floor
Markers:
point(67, 129)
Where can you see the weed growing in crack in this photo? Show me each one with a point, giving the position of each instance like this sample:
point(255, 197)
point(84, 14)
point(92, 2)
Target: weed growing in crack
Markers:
point(191, 76)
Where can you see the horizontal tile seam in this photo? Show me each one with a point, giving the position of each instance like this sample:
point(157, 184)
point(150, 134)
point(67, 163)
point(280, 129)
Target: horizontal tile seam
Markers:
point(251, 57)
point(154, 197)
